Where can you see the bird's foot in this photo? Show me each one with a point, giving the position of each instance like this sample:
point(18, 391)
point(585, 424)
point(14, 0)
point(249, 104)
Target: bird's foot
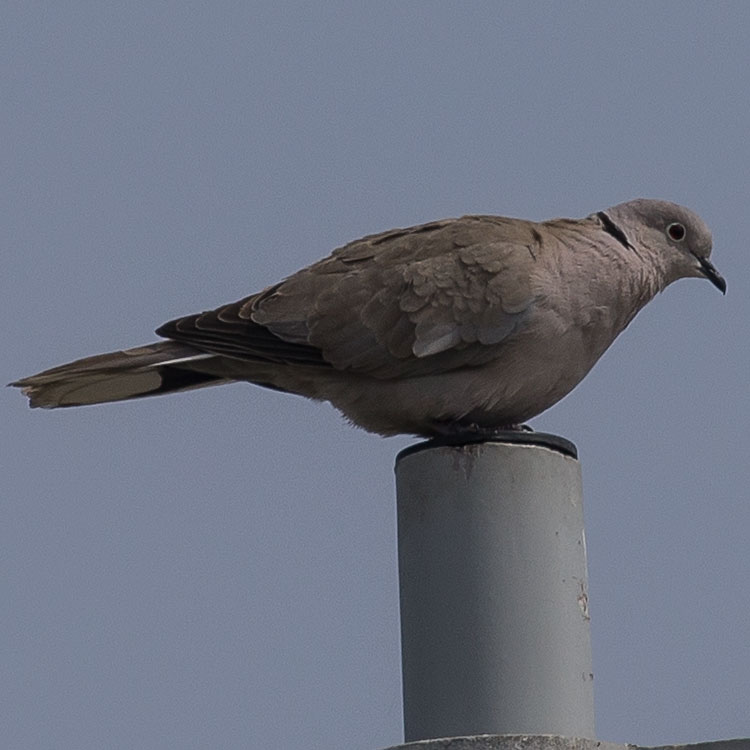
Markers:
point(457, 432)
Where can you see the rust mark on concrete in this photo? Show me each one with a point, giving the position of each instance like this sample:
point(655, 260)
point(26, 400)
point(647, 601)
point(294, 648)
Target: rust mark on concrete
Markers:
point(464, 457)
point(583, 600)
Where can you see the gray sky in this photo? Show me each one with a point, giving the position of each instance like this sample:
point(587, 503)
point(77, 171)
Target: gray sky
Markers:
point(218, 568)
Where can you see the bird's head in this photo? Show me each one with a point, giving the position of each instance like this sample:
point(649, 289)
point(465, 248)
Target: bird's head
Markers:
point(676, 239)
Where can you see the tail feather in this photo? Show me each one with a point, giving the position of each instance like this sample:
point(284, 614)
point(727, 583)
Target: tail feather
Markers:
point(163, 367)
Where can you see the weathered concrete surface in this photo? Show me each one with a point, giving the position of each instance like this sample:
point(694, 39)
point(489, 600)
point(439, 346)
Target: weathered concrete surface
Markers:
point(553, 742)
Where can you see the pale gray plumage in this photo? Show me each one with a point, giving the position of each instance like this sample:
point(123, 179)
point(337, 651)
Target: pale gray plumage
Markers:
point(462, 325)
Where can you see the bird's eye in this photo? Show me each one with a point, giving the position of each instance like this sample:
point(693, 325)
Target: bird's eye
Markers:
point(676, 231)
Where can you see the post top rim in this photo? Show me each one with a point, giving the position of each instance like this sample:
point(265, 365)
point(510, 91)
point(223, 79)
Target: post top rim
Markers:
point(512, 437)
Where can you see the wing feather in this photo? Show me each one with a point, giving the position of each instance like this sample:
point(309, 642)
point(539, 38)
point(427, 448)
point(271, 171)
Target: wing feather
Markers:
point(406, 302)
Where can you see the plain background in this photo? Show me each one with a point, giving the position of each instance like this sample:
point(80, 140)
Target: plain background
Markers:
point(218, 569)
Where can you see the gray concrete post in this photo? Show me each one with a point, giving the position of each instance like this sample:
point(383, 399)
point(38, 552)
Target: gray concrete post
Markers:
point(494, 605)
point(549, 742)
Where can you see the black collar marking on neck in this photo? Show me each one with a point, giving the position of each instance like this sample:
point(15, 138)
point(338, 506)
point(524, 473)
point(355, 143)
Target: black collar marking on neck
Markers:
point(611, 228)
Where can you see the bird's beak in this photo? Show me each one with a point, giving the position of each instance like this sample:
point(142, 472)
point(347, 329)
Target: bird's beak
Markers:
point(709, 271)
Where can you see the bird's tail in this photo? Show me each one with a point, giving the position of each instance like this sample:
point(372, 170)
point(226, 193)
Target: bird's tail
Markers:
point(163, 367)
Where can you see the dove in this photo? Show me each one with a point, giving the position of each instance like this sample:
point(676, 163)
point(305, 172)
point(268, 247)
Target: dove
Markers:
point(461, 326)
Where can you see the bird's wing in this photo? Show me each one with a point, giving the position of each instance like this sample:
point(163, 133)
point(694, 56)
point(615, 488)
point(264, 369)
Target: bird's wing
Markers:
point(421, 300)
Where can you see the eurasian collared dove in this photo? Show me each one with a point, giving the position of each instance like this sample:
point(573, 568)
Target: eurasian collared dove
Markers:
point(458, 326)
